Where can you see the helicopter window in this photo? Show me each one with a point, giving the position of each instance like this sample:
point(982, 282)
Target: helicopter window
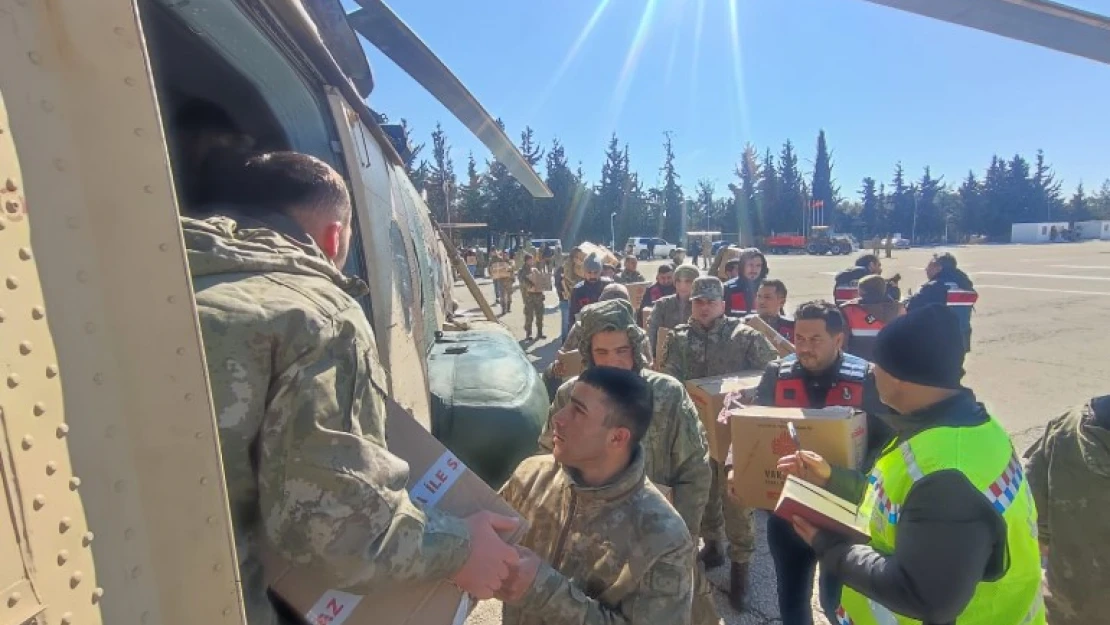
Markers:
point(224, 89)
point(427, 270)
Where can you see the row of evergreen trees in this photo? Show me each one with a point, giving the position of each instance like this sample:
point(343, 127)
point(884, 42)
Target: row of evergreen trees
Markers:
point(770, 195)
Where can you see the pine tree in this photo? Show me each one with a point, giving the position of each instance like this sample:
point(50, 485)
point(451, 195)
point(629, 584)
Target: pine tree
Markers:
point(744, 213)
point(869, 211)
point(788, 216)
point(769, 194)
point(564, 187)
point(610, 194)
point(703, 207)
point(1046, 191)
point(970, 220)
point(672, 194)
point(824, 193)
point(441, 183)
point(471, 205)
point(929, 220)
point(1078, 207)
point(500, 196)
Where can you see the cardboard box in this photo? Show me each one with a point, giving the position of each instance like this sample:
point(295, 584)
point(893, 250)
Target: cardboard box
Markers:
point(778, 341)
point(542, 280)
point(573, 363)
point(436, 479)
point(645, 321)
point(760, 438)
point(500, 270)
point(662, 346)
point(709, 396)
point(636, 292)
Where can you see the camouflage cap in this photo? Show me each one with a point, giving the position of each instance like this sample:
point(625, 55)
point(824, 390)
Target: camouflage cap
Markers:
point(686, 272)
point(607, 316)
point(708, 287)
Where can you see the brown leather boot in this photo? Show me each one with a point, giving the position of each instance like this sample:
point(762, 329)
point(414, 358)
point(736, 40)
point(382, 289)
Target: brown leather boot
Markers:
point(712, 554)
point(738, 586)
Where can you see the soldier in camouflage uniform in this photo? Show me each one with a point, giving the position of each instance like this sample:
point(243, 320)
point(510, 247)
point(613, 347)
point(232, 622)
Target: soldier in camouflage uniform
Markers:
point(1069, 476)
point(618, 552)
point(630, 275)
point(298, 396)
point(675, 450)
point(533, 298)
point(673, 310)
point(713, 344)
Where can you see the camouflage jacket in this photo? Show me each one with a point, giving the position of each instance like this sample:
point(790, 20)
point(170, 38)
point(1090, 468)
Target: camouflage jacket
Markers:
point(619, 553)
point(1069, 475)
point(728, 346)
point(298, 398)
point(676, 453)
point(669, 313)
point(524, 278)
point(630, 277)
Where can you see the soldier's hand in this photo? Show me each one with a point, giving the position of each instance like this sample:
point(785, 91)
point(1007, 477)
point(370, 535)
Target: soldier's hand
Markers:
point(558, 369)
point(808, 466)
point(521, 577)
point(490, 560)
point(732, 487)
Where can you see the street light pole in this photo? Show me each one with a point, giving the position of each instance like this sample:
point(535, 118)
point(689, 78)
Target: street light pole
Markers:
point(612, 231)
point(913, 230)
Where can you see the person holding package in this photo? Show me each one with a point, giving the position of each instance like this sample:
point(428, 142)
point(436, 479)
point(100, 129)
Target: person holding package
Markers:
point(603, 546)
point(676, 454)
point(664, 286)
point(819, 375)
point(532, 292)
point(770, 301)
point(952, 520)
point(672, 310)
point(712, 344)
point(1069, 474)
point(588, 291)
point(503, 286)
point(554, 374)
point(298, 392)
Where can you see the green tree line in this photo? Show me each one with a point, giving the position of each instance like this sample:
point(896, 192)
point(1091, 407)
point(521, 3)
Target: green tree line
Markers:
point(770, 193)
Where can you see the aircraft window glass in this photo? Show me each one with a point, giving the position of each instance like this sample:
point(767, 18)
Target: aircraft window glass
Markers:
point(402, 271)
point(427, 274)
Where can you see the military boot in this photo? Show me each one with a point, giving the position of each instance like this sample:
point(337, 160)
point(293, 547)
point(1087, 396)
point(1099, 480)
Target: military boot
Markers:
point(738, 586)
point(712, 554)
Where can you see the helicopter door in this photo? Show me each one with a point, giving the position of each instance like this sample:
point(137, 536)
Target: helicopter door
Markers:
point(392, 267)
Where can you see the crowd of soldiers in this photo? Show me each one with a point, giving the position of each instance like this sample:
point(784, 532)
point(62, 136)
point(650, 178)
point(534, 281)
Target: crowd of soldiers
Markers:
point(622, 489)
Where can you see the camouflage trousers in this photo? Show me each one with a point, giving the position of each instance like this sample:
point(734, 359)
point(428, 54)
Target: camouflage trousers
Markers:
point(533, 310)
point(703, 611)
point(725, 518)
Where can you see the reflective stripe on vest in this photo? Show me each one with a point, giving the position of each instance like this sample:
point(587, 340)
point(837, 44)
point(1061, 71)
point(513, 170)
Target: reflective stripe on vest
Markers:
point(977, 451)
point(960, 297)
point(847, 390)
point(845, 292)
point(861, 322)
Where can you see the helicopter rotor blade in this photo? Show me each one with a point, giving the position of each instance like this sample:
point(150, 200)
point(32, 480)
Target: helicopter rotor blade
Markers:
point(386, 31)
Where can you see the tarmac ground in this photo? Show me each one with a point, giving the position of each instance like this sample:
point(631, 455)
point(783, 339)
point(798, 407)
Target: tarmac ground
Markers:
point(1039, 346)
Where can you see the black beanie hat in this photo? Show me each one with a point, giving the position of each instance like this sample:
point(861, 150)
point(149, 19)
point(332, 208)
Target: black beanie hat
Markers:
point(924, 347)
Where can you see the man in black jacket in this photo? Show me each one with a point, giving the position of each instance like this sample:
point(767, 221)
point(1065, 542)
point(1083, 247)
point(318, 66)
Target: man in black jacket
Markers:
point(947, 286)
point(846, 285)
point(936, 532)
point(821, 374)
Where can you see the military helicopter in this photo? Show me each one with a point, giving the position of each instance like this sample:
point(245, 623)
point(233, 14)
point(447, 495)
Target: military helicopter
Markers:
point(115, 507)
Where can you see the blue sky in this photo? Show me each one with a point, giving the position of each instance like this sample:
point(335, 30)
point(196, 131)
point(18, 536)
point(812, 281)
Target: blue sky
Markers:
point(885, 86)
